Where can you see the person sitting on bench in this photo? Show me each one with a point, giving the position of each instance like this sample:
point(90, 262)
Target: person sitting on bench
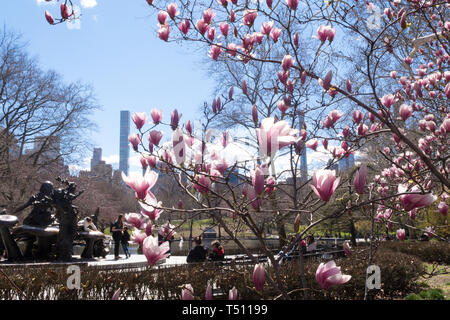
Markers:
point(198, 253)
point(217, 253)
point(310, 244)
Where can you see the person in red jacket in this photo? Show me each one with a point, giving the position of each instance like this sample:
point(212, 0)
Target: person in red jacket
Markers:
point(217, 253)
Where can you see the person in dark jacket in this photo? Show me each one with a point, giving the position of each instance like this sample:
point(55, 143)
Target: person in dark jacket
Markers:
point(217, 253)
point(116, 230)
point(198, 253)
point(124, 241)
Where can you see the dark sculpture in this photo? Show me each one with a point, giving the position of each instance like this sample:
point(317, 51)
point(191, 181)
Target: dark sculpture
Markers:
point(41, 215)
point(54, 233)
point(66, 214)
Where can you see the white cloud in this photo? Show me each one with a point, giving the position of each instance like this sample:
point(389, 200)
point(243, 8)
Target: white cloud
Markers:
point(112, 159)
point(74, 24)
point(43, 2)
point(88, 3)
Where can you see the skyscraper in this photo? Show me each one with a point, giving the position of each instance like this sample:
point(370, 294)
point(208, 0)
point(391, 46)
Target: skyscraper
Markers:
point(124, 152)
point(96, 157)
point(303, 160)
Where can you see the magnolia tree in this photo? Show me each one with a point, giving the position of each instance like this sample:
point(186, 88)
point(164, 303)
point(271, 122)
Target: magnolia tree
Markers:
point(336, 77)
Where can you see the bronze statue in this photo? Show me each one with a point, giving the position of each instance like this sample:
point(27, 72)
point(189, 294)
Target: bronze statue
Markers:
point(51, 224)
point(40, 215)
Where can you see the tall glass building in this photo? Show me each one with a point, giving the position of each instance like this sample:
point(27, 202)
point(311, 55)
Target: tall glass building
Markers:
point(303, 160)
point(124, 151)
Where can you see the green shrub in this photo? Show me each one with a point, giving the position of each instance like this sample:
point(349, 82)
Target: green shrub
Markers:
point(398, 272)
point(432, 294)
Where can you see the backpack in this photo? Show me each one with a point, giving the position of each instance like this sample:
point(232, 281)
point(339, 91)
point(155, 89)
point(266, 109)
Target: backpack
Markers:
point(110, 228)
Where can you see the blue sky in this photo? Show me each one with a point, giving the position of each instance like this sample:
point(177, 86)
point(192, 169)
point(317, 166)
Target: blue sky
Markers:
point(116, 49)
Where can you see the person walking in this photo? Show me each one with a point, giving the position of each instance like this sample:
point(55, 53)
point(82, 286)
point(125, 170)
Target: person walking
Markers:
point(116, 231)
point(124, 241)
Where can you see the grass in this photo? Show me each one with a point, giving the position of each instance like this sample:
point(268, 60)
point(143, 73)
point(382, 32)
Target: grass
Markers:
point(436, 287)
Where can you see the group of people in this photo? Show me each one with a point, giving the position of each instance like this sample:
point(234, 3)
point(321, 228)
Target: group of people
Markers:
point(200, 254)
point(121, 237)
point(308, 245)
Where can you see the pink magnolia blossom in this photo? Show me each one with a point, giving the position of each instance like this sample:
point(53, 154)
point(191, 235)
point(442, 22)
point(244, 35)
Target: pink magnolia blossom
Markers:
point(184, 26)
point(135, 140)
point(138, 237)
point(357, 116)
point(405, 111)
point(292, 4)
point(164, 32)
point(155, 137)
point(275, 34)
point(167, 231)
point(252, 196)
point(162, 17)
point(172, 10)
point(273, 136)
point(400, 234)
point(325, 183)
point(139, 119)
point(135, 219)
point(259, 277)
point(254, 114)
point(287, 62)
point(202, 26)
point(258, 180)
point(360, 179)
point(232, 16)
point(387, 100)
point(326, 33)
point(156, 115)
point(141, 185)
point(232, 295)
point(312, 144)
point(202, 183)
point(189, 127)
point(151, 160)
point(215, 51)
point(282, 106)
point(49, 17)
point(348, 84)
point(249, 17)
point(211, 34)
point(443, 208)
point(152, 214)
point(208, 15)
point(208, 293)
point(224, 27)
point(329, 274)
point(332, 118)
point(154, 252)
point(347, 249)
point(266, 27)
point(65, 12)
point(244, 87)
point(270, 184)
point(326, 83)
point(174, 119)
point(116, 295)
point(148, 228)
point(362, 129)
point(415, 199)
